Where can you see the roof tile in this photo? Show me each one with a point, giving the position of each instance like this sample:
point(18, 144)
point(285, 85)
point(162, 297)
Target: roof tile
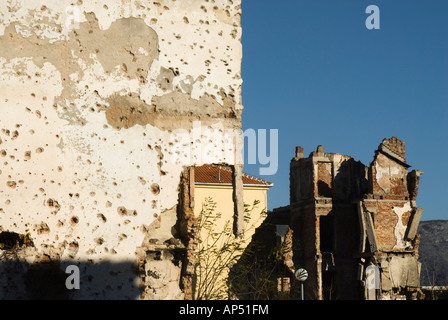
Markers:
point(222, 174)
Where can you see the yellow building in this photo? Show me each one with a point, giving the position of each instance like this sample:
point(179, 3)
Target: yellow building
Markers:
point(217, 249)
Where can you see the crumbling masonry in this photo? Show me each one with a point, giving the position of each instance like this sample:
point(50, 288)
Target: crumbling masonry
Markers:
point(93, 96)
point(357, 224)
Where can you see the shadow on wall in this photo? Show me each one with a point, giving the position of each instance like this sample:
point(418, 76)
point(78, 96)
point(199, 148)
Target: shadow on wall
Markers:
point(47, 281)
point(265, 270)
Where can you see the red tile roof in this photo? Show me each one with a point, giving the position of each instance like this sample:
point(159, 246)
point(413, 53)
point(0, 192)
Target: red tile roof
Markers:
point(221, 174)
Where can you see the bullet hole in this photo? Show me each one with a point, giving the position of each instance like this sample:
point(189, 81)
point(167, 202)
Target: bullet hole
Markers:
point(101, 217)
point(73, 244)
point(142, 181)
point(74, 220)
point(27, 155)
point(155, 189)
point(99, 241)
point(51, 203)
point(39, 150)
point(11, 184)
point(122, 211)
point(43, 229)
point(122, 237)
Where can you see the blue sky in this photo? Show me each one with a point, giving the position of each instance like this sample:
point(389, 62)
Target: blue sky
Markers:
point(312, 70)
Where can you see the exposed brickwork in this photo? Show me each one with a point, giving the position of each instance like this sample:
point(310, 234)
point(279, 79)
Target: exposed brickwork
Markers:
point(396, 146)
point(384, 222)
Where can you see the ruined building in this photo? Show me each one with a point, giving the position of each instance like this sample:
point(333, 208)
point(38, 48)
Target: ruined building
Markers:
point(104, 107)
point(356, 224)
point(352, 227)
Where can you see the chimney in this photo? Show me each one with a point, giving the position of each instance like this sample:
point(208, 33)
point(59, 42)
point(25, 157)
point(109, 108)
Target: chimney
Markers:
point(299, 153)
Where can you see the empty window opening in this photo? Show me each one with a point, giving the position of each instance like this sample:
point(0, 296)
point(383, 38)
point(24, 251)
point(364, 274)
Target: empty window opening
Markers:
point(326, 233)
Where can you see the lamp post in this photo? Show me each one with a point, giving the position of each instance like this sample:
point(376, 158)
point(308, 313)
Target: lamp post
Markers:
point(301, 275)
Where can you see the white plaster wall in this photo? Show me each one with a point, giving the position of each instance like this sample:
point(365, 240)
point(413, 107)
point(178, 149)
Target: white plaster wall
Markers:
point(56, 142)
point(400, 227)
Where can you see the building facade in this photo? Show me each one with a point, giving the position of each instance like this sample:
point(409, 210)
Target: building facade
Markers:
point(217, 247)
point(357, 224)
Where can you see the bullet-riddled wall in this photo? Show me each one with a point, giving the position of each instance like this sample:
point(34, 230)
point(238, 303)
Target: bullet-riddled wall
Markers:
point(98, 103)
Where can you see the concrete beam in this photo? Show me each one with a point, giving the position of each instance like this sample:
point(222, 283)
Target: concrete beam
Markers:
point(370, 231)
point(412, 228)
point(362, 226)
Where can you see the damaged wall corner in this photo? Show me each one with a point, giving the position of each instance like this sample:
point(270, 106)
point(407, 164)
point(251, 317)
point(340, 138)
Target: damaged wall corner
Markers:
point(187, 228)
